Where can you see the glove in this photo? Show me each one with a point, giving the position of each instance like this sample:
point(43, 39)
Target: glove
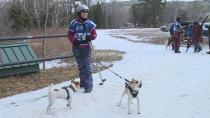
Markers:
point(88, 38)
point(76, 43)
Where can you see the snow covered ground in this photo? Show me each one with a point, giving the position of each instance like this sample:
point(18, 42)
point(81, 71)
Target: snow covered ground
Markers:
point(52, 64)
point(174, 86)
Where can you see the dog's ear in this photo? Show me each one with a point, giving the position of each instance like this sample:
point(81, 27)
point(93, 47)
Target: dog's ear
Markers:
point(140, 83)
point(132, 80)
point(72, 81)
point(137, 81)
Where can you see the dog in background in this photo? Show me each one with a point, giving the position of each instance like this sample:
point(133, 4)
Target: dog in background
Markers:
point(65, 93)
point(132, 90)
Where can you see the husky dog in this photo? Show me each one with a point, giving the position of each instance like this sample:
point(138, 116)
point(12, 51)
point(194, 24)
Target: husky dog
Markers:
point(132, 90)
point(65, 93)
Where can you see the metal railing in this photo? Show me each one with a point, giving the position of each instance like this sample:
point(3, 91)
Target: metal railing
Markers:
point(31, 37)
point(36, 60)
point(28, 38)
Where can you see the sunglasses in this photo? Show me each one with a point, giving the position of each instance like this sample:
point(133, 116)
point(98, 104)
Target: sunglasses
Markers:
point(84, 11)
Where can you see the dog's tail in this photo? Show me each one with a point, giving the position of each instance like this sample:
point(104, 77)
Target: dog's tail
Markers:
point(50, 87)
point(50, 91)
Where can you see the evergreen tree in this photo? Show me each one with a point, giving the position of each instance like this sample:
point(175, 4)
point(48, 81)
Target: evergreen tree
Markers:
point(20, 19)
point(97, 14)
point(147, 12)
point(183, 14)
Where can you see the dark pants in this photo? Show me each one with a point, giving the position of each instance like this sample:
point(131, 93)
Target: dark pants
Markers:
point(197, 47)
point(209, 41)
point(189, 40)
point(177, 37)
point(83, 59)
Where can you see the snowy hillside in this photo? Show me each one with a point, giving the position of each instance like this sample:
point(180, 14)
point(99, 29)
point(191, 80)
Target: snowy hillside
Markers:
point(174, 86)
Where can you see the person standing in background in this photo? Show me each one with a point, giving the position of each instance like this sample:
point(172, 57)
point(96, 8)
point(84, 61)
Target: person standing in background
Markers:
point(208, 26)
point(177, 30)
point(197, 37)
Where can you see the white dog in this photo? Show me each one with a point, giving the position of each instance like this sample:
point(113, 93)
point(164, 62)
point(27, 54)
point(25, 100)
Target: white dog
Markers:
point(65, 93)
point(132, 90)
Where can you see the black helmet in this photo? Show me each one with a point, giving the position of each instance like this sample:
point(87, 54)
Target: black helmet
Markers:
point(178, 18)
point(195, 23)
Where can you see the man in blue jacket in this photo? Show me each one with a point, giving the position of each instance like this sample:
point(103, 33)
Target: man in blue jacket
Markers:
point(208, 26)
point(177, 30)
point(81, 32)
point(189, 34)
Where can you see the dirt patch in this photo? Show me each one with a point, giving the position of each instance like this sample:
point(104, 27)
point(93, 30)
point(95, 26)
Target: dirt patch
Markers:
point(23, 83)
point(119, 37)
point(146, 35)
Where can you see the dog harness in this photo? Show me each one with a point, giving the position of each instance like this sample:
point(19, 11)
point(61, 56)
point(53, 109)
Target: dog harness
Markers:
point(133, 92)
point(67, 91)
point(71, 87)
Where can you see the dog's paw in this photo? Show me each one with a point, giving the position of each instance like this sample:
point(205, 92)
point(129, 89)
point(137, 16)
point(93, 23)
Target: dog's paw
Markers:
point(139, 113)
point(129, 112)
point(48, 110)
point(69, 106)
